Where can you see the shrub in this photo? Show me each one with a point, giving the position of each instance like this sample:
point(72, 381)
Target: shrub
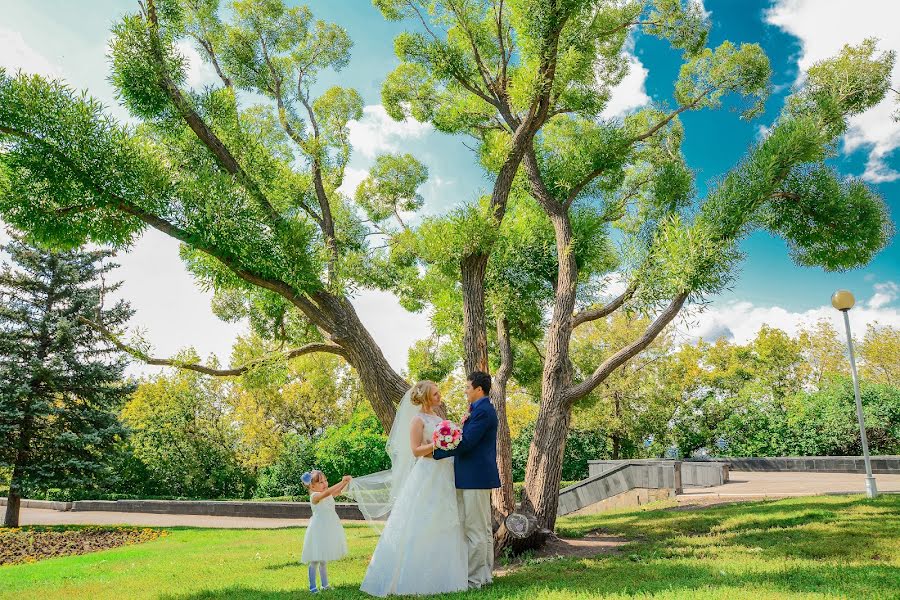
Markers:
point(355, 448)
point(581, 446)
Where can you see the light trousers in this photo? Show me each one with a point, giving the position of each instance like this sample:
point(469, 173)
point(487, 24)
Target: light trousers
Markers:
point(475, 515)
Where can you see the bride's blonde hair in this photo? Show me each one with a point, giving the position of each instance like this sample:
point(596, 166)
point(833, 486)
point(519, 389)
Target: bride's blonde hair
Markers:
point(421, 393)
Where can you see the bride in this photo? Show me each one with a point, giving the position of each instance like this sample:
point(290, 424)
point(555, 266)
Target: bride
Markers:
point(422, 549)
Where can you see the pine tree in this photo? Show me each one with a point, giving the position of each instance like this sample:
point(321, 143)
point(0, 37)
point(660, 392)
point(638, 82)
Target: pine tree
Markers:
point(61, 381)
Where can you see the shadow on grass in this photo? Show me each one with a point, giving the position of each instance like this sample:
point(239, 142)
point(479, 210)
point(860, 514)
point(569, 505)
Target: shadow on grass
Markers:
point(601, 577)
point(292, 564)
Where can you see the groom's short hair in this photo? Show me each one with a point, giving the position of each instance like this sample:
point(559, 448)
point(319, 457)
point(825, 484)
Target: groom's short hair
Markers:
point(482, 380)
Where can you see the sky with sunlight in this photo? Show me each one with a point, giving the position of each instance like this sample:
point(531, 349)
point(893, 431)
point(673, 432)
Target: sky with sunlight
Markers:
point(68, 40)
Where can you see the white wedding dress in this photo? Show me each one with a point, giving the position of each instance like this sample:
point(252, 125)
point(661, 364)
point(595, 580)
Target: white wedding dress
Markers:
point(422, 549)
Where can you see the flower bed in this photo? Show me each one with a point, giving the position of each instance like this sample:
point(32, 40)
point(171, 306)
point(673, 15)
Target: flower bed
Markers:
point(30, 544)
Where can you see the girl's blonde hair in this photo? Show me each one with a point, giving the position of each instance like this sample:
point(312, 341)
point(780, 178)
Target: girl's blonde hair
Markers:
point(421, 392)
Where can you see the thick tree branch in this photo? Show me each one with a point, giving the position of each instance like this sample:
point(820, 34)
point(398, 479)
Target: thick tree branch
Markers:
point(573, 193)
point(576, 392)
point(193, 366)
point(119, 203)
point(223, 155)
point(538, 188)
point(592, 314)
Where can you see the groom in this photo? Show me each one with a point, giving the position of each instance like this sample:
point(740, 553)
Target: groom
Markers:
point(476, 474)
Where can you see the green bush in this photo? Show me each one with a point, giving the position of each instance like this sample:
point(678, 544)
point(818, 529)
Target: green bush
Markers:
point(355, 448)
point(282, 478)
point(581, 446)
point(819, 423)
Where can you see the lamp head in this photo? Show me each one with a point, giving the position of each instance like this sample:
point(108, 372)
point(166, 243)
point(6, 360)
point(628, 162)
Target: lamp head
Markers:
point(843, 300)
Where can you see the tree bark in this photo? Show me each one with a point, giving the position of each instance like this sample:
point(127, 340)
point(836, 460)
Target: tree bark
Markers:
point(14, 498)
point(381, 384)
point(473, 269)
point(544, 471)
point(503, 498)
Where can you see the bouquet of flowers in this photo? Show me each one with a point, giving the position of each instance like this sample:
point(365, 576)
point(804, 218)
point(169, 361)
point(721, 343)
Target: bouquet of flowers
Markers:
point(447, 435)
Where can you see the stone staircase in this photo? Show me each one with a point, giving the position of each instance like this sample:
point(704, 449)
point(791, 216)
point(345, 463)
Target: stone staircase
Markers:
point(614, 478)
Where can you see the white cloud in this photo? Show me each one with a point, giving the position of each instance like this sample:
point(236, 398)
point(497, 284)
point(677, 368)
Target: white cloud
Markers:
point(885, 293)
point(199, 72)
point(823, 27)
point(762, 132)
point(706, 13)
point(377, 132)
point(740, 321)
point(352, 178)
point(17, 54)
point(631, 93)
point(393, 327)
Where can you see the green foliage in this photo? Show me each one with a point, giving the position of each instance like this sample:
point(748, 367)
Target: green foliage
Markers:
point(879, 350)
point(844, 86)
point(634, 405)
point(581, 446)
point(778, 396)
point(391, 187)
point(61, 381)
point(182, 435)
point(282, 477)
point(711, 74)
point(354, 448)
point(812, 200)
point(430, 359)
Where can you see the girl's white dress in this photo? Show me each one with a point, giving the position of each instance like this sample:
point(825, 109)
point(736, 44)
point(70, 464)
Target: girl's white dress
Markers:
point(325, 539)
point(422, 549)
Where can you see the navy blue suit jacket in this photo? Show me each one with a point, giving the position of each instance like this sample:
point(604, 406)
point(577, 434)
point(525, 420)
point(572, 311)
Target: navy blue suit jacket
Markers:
point(476, 456)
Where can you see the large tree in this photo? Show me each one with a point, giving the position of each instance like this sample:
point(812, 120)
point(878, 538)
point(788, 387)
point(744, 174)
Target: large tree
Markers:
point(61, 381)
point(477, 69)
point(248, 187)
point(252, 191)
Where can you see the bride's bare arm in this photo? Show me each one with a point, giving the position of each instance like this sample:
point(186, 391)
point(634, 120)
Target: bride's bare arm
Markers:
point(415, 439)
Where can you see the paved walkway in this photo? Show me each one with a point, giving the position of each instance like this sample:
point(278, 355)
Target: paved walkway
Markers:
point(743, 484)
point(761, 484)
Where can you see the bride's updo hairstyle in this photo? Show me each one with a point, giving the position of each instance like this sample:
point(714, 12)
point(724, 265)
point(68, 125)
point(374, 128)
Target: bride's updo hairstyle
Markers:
point(421, 393)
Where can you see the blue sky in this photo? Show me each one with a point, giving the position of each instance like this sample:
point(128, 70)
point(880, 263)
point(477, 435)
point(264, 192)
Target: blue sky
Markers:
point(68, 40)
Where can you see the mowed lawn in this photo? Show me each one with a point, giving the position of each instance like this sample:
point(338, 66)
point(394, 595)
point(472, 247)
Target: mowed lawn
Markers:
point(822, 547)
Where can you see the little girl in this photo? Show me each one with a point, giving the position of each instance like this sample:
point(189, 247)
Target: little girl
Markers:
point(325, 539)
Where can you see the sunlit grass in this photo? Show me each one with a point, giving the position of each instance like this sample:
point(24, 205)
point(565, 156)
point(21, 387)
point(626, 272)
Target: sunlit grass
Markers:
point(823, 547)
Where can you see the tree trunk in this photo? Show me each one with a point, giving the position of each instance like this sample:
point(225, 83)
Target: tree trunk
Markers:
point(14, 498)
point(616, 439)
point(503, 498)
point(381, 384)
point(475, 355)
point(545, 457)
point(544, 472)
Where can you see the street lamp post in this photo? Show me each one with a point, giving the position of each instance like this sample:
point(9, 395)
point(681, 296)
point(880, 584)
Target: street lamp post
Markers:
point(844, 301)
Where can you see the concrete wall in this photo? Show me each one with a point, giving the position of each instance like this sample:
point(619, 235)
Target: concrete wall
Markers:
point(702, 474)
point(271, 510)
point(812, 464)
point(45, 504)
point(618, 479)
point(629, 499)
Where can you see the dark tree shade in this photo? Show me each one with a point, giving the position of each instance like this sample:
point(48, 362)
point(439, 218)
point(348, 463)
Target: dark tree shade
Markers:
point(60, 381)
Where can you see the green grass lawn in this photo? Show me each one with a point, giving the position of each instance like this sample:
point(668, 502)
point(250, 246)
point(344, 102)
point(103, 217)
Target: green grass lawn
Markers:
point(823, 547)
